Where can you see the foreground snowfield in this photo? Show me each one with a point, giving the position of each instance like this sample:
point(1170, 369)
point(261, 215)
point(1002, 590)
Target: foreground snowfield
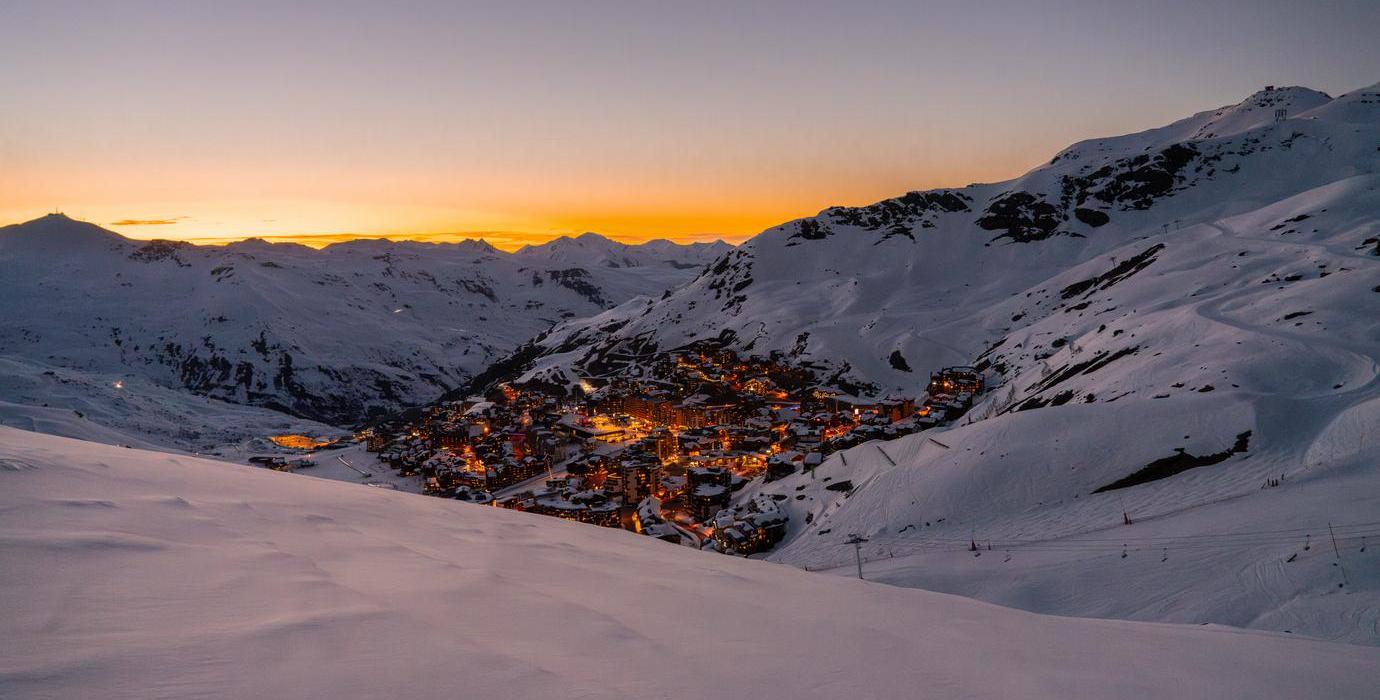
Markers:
point(132, 574)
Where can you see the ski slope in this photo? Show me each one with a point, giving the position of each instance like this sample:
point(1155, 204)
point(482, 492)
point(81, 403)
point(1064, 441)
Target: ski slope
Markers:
point(1209, 342)
point(129, 574)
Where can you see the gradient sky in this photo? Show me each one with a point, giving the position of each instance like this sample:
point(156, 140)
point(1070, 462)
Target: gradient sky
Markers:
point(520, 121)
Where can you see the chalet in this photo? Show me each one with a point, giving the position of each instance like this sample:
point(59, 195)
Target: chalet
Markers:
point(593, 507)
point(754, 527)
point(647, 520)
point(895, 408)
point(783, 464)
point(471, 495)
point(950, 381)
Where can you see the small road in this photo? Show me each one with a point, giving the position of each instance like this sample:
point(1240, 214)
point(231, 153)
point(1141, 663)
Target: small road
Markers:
point(346, 462)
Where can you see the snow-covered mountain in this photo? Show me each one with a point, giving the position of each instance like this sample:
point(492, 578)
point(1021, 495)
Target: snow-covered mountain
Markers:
point(932, 278)
point(328, 334)
point(128, 574)
point(593, 250)
point(1182, 327)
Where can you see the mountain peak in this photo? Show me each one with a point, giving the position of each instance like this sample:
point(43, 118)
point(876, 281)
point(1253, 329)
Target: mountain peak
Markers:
point(1260, 108)
point(1271, 93)
point(592, 237)
point(58, 232)
point(587, 240)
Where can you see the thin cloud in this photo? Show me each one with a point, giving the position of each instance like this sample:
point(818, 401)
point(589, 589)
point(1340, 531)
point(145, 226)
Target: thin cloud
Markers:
point(147, 222)
point(500, 239)
point(504, 240)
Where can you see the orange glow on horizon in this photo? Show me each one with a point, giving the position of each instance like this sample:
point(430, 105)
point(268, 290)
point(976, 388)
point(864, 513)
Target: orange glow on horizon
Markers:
point(316, 122)
point(503, 240)
point(336, 215)
point(318, 225)
point(233, 198)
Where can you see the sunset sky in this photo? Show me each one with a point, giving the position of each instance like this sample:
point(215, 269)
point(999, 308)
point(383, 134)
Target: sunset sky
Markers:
point(521, 121)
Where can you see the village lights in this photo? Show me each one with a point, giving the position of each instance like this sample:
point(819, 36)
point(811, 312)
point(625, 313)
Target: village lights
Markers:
point(666, 453)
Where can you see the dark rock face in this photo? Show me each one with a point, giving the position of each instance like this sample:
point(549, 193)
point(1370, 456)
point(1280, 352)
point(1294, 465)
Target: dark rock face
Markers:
point(272, 380)
point(811, 230)
point(1021, 216)
point(898, 362)
point(1131, 183)
point(904, 211)
point(730, 276)
point(1178, 463)
point(577, 280)
point(1091, 217)
point(1066, 372)
point(477, 287)
point(1137, 182)
point(159, 250)
point(1119, 272)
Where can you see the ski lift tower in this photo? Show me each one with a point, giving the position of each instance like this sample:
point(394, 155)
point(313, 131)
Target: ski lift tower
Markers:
point(857, 542)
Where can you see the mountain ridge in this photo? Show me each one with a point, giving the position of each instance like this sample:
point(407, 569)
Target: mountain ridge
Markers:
point(335, 334)
point(1094, 196)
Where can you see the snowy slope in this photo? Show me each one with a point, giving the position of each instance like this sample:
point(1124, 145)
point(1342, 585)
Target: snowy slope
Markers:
point(329, 334)
point(1206, 545)
point(127, 574)
point(928, 275)
point(1228, 307)
point(593, 250)
point(120, 410)
point(1265, 323)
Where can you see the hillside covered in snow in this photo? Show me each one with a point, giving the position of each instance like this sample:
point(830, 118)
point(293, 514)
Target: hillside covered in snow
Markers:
point(332, 335)
point(1180, 329)
point(130, 574)
point(882, 292)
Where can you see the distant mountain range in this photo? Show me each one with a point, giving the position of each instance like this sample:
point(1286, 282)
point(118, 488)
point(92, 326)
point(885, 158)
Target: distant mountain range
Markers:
point(333, 335)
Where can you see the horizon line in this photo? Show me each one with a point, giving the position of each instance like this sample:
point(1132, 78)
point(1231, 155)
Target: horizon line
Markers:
point(505, 240)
